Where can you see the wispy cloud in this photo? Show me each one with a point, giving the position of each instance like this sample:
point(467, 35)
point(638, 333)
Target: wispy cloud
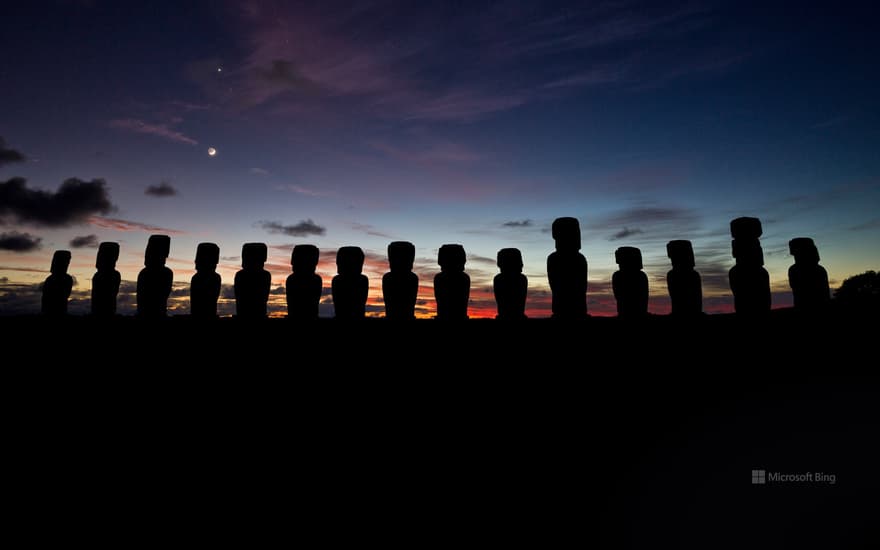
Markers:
point(155, 129)
point(23, 269)
point(126, 225)
point(260, 171)
point(302, 229)
point(304, 190)
point(870, 224)
point(829, 122)
point(426, 63)
point(518, 223)
point(370, 230)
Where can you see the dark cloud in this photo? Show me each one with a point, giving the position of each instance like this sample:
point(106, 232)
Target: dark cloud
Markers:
point(625, 232)
point(517, 223)
point(650, 223)
point(4, 280)
point(19, 242)
point(84, 241)
point(278, 290)
point(650, 214)
point(164, 189)
point(74, 202)
point(302, 229)
point(7, 155)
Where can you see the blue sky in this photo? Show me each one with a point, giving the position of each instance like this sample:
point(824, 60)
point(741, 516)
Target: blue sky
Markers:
point(476, 124)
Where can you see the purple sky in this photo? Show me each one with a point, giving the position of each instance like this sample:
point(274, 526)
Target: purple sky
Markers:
point(358, 123)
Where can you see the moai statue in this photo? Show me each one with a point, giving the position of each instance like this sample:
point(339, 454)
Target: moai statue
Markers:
point(304, 286)
point(685, 286)
point(452, 286)
point(400, 285)
point(252, 282)
point(567, 271)
point(808, 279)
point(350, 287)
point(105, 281)
point(749, 281)
point(57, 287)
point(510, 286)
point(630, 284)
point(204, 287)
point(154, 280)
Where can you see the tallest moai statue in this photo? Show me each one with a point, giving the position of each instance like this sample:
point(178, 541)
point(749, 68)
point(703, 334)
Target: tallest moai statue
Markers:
point(567, 271)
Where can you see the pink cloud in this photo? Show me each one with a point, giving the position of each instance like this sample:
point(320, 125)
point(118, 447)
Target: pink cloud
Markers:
point(304, 190)
point(125, 225)
point(161, 130)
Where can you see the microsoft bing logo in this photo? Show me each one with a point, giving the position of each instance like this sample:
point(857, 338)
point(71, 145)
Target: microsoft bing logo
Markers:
point(759, 477)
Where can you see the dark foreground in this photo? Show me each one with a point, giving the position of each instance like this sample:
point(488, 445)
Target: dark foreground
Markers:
point(599, 435)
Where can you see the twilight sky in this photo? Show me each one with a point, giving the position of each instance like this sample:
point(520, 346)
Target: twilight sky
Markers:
point(358, 123)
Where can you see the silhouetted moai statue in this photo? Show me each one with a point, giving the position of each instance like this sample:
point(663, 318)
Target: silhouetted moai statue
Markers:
point(252, 282)
point(808, 279)
point(154, 280)
point(304, 286)
point(510, 286)
point(749, 281)
point(350, 287)
point(567, 271)
point(204, 289)
point(452, 286)
point(630, 284)
point(57, 287)
point(400, 285)
point(105, 281)
point(685, 286)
